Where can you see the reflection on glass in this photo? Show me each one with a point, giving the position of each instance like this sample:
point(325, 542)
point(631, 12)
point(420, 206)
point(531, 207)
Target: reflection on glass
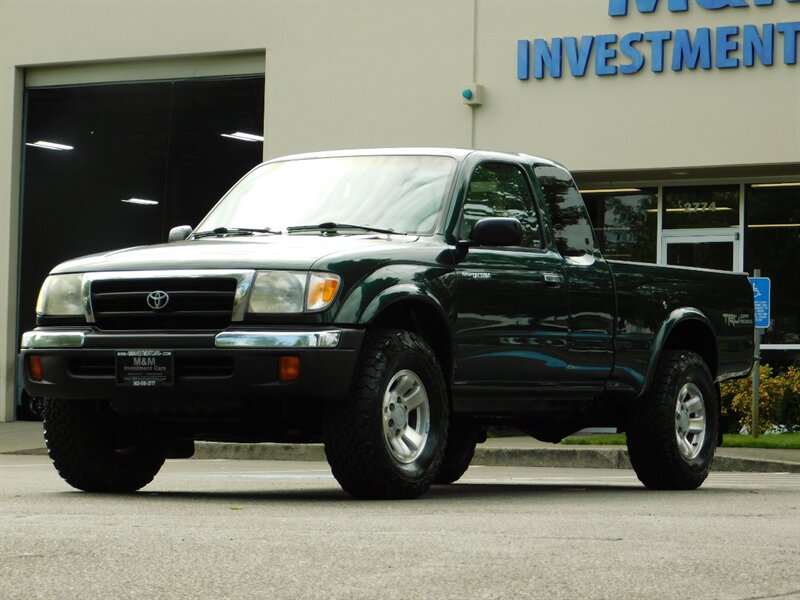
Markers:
point(625, 224)
point(773, 245)
point(707, 255)
point(701, 207)
point(135, 144)
point(501, 190)
point(571, 228)
point(402, 193)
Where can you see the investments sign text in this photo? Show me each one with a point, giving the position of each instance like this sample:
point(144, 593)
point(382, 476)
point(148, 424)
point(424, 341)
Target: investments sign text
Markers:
point(726, 47)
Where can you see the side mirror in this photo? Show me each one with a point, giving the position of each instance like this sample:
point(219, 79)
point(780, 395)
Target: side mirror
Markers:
point(497, 231)
point(179, 233)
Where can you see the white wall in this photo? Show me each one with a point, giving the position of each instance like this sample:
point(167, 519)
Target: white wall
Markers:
point(352, 73)
point(646, 120)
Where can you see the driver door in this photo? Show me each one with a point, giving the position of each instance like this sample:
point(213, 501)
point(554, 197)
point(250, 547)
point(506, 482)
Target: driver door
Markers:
point(513, 322)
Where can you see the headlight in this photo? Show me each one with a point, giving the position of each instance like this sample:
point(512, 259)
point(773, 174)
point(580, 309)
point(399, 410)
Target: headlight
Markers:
point(282, 292)
point(277, 292)
point(60, 296)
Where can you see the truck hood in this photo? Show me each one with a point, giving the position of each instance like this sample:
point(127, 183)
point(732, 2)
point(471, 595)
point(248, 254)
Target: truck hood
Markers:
point(290, 252)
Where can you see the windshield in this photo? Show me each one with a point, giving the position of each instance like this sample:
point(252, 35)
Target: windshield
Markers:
point(400, 193)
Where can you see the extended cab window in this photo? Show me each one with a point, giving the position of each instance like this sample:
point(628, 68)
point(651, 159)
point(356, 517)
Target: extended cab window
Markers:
point(501, 190)
point(571, 228)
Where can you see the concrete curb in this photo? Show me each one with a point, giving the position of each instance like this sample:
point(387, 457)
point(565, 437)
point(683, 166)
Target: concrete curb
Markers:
point(494, 453)
point(611, 457)
point(263, 451)
point(28, 452)
point(588, 458)
point(751, 465)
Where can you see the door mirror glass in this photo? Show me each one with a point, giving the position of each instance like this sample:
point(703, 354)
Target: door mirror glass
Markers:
point(497, 232)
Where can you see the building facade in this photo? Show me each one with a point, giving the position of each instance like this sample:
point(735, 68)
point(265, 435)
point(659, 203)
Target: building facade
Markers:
point(680, 118)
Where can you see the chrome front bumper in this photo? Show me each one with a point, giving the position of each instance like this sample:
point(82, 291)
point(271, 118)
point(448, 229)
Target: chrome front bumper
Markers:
point(328, 338)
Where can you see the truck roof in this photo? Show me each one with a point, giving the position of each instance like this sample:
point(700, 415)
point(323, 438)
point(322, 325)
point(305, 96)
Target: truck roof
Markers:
point(456, 153)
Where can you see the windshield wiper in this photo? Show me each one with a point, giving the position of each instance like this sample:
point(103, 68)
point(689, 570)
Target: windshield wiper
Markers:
point(330, 226)
point(224, 231)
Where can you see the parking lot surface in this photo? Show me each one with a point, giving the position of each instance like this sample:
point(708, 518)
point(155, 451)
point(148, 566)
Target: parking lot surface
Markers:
point(247, 529)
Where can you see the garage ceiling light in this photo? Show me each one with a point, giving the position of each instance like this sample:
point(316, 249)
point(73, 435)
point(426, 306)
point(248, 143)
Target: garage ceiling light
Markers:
point(49, 145)
point(775, 185)
point(611, 191)
point(693, 210)
point(244, 137)
point(140, 201)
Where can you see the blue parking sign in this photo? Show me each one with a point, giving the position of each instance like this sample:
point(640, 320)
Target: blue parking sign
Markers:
point(761, 296)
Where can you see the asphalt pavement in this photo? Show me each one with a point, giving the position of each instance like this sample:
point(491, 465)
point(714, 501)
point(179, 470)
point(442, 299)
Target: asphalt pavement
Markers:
point(25, 437)
point(244, 529)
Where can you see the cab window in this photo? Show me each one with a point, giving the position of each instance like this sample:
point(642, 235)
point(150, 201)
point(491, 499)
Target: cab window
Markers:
point(501, 190)
point(571, 228)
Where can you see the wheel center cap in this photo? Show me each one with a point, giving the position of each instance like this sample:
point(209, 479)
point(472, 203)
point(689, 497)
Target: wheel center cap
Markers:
point(683, 420)
point(399, 417)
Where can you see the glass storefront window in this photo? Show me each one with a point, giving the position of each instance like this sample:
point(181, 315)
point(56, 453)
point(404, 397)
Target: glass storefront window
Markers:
point(773, 245)
point(625, 224)
point(701, 207)
point(708, 255)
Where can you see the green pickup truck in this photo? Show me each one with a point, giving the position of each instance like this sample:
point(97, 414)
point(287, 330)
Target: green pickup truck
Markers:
point(392, 304)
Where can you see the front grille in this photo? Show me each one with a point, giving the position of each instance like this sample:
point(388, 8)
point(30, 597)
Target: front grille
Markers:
point(193, 303)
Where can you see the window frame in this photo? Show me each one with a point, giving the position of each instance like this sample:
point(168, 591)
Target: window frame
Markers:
point(533, 205)
point(551, 229)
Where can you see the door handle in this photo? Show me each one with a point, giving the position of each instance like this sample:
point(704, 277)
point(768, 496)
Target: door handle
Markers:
point(553, 279)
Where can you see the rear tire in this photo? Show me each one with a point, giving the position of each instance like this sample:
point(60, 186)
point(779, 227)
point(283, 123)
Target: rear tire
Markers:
point(672, 431)
point(96, 451)
point(387, 438)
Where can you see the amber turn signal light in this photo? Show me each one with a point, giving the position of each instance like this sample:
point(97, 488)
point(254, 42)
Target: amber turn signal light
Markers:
point(289, 368)
point(321, 291)
point(35, 367)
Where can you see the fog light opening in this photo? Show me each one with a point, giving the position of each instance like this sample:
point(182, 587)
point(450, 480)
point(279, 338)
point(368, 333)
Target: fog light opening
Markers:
point(35, 368)
point(289, 368)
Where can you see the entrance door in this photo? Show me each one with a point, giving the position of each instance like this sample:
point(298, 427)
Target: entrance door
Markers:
point(709, 251)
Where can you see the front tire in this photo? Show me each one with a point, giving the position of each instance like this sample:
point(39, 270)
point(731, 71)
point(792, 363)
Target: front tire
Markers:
point(672, 431)
point(96, 451)
point(387, 438)
point(462, 438)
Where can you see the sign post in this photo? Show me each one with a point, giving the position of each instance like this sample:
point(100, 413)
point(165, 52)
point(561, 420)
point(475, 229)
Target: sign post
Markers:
point(761, 299)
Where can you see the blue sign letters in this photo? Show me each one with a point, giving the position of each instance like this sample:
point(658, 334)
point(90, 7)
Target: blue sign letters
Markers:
point(727, 47)
point(619, 8)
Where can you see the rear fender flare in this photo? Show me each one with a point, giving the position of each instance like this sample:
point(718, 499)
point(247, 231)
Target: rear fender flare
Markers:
point(677, 317)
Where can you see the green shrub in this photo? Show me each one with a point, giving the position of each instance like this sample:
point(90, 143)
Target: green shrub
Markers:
point(779, 401)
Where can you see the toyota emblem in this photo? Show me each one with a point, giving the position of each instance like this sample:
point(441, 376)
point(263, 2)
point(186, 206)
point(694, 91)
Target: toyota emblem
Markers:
point(157, 300)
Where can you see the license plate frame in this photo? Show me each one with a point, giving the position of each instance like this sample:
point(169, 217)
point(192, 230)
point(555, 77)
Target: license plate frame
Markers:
point(145, 368)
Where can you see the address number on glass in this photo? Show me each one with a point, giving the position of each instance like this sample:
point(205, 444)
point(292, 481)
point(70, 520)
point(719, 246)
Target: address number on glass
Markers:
point(145, 368)
point(693, 207)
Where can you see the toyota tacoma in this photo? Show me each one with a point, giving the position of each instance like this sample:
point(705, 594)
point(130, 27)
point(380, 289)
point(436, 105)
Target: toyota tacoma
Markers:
point(391, 304)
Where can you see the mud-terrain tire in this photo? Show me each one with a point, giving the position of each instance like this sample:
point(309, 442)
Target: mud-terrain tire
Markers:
point(386, 439)
point(672, 431)
point(95, 451)
point(461, 441)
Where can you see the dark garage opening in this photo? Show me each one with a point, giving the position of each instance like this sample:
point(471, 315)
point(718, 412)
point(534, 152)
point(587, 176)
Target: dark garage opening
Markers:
point(116, 165)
